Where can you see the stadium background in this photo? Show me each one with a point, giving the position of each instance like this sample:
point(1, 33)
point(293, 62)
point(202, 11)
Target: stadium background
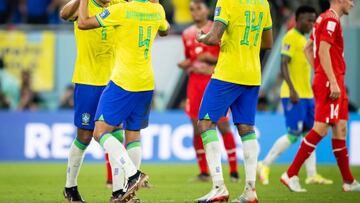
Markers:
point(37, 56)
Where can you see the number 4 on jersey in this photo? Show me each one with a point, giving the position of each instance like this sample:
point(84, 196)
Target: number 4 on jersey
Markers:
point(145, 42)
point(251, 27)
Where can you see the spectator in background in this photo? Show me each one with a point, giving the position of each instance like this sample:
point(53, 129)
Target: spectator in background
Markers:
point(38, 11)
point(182, 16)
point(9, 89)
point(67, 100)
point(352, 107)
point(4, 14)
point(29, 100)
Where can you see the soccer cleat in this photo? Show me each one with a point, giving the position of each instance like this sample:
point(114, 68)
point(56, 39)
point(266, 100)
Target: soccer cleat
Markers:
point(318, 180)
point(202, 177)
point(134, 199)
point(217, 194)
point(292, 183)
point(147, 185)
point(134, 183)
point(353, 187)
point(248, 196)
point(234, 177)
point(72, 195)
point(263, 173)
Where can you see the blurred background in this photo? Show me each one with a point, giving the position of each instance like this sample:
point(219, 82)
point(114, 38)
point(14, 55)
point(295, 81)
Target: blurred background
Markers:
point(37, 57)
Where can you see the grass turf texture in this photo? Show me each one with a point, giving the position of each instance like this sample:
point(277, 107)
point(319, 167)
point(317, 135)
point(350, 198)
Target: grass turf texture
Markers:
point(34, 182)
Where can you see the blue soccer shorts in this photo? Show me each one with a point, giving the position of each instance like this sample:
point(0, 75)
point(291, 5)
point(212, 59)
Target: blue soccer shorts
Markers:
point(86, 99)
point(299, 117)
point(118, 106)
point(221, 96)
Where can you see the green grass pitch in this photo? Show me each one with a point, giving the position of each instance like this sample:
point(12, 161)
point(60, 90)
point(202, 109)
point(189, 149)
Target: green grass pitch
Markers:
point(35, 182)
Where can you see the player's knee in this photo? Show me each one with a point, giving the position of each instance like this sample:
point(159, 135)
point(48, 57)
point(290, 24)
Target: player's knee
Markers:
point(321, 128)
point(341, 130)
point(204, 125)
point(84, 136)
point(224, 127)
point(244, 129)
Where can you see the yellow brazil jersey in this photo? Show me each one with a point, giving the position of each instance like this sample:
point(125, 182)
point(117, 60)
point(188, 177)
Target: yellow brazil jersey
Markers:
point(299, 69)
point(136, 24)
point(95, 52)
point(182, 12)
point(239, 60)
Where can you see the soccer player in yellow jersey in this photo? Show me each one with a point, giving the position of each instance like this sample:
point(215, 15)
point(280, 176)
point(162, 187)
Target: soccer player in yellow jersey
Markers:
point(297, 96)
point(94, 63)
point(127, 97)
point(243, 27)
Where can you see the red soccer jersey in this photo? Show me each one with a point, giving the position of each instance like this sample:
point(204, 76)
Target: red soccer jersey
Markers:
point(193, 48)
point(328, 28)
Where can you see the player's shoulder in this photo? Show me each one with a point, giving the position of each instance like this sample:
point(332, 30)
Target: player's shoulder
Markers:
point(290, 34)
point(327, 16)
point(189, 30)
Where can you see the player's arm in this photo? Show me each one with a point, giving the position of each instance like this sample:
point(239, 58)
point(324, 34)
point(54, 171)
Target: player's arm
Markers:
point(214, 36)
point(207, 57)
point(70, 11)
point(309, 52)
point(285, 60)
point(85, 22)
point(165, 32)
point(267, 39)
point(186, 63)
point(325, 61)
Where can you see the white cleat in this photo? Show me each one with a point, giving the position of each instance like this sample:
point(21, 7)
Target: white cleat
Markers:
point(248, 196)
point(353, 187)
point(217, 194)
point(292, 183)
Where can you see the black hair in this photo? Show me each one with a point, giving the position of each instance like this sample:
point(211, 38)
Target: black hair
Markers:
point(304, 9)
point(200, 2)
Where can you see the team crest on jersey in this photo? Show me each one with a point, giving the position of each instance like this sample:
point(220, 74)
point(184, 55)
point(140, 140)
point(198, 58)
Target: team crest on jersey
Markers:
point(217, 11)
point(85, 118)
point(104, 14)
point(286, 47)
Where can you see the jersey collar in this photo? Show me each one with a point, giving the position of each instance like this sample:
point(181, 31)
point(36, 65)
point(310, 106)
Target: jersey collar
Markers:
point(332, 10)
point(96, 3)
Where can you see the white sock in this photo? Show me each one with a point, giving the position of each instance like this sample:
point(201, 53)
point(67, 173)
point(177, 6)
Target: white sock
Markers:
point(119, 160)
point(213, 156)
point(251, 153)
point(134, 151)
point(310, 164)
point(75, 159)
point(281, 144)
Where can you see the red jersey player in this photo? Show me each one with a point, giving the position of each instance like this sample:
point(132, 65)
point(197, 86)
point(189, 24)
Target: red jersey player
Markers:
point(325, 51)
point(200, 63)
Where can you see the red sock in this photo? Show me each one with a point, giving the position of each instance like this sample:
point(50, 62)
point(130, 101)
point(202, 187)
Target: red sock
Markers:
point(342, 159)
point(108, 168)
point(306, 148)
point(200, 154)
point(230, 147)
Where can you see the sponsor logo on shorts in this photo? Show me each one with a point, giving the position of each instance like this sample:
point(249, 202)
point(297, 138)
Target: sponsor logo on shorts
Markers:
point(85, 118)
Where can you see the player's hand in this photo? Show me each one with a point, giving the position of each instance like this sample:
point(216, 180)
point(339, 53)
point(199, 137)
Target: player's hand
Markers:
point(204, 57)
point(334, 91)
point(200, 36)
point(184, 64)
point(294, 97)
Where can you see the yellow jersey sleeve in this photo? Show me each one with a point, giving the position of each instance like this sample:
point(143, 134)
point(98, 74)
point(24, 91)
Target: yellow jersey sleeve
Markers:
point(222, 12)
point(288, 46)
point(268, 20)
point(112, 16)
point(164, 26)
